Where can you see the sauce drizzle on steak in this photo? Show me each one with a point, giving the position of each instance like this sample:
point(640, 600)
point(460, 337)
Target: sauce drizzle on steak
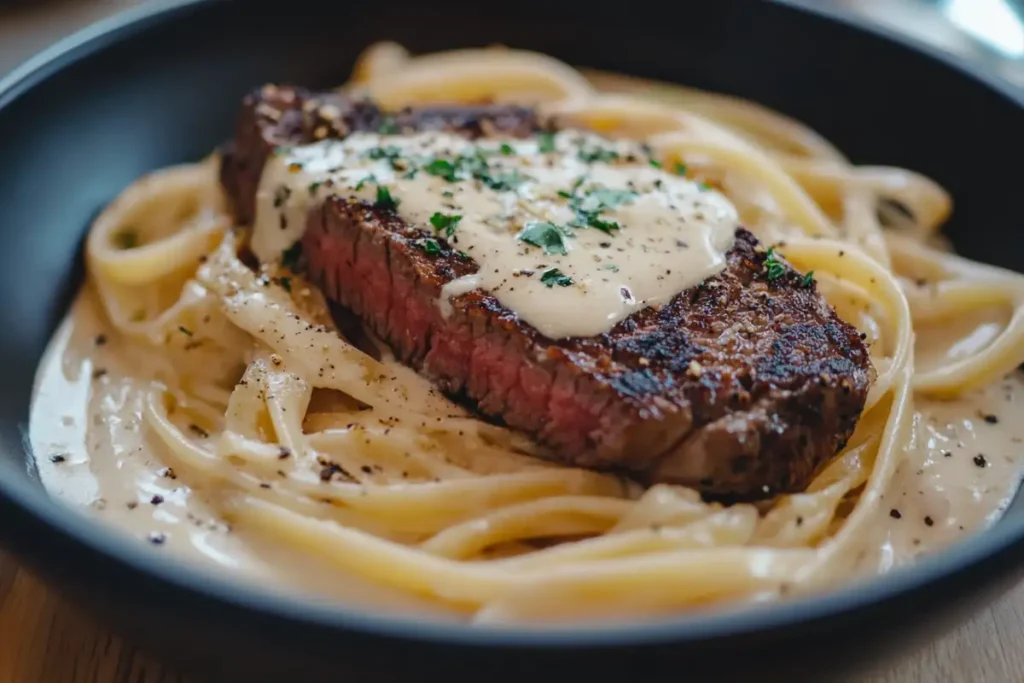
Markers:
point(742, 386)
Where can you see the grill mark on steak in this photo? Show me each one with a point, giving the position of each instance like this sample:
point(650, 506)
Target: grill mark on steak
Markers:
point(741, 386)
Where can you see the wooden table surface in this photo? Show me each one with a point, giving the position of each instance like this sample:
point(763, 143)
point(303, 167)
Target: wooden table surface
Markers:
point(44, 640)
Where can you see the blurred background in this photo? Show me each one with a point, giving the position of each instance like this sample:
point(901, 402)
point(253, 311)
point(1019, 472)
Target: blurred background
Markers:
point(990, 32)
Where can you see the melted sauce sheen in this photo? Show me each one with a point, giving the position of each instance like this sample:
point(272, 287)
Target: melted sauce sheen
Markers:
point(571, 231)
point(960, 470)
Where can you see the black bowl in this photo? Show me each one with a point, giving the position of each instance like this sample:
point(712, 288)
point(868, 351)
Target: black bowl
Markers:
point(162, 85)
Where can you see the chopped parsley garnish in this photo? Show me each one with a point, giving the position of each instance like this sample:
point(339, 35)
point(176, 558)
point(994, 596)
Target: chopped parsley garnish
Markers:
point(185, 331)
point(773, 268)
point(368, 179)
point(388, 126)
point(290, 256)
point(546, 142)
point(385, 200)
point(589, 207)
point(611, 266)
point(430, 246)
point(597, 154)
point(442, 169)
point(503, 181)
point(445, 222)
point(610, 198)
point(390, 152)
point(679, 169)
point(547, 236)
point(474, 165)
point(808, 279)
point(592, 221)
point(411, 173)
point(313, 187)
point(126, 239)
point(703, 186)
point(655, 163)
point(553, 276)
point(506, 149)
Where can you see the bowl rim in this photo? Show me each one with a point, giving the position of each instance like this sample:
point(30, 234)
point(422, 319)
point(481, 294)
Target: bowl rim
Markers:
point(127, 554)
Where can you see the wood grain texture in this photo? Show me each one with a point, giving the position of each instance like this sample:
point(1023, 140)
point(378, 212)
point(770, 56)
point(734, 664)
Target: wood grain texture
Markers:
point(45, 640)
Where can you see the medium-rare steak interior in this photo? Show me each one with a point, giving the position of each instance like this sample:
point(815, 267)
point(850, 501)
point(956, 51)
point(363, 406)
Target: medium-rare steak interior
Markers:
point(722, 368)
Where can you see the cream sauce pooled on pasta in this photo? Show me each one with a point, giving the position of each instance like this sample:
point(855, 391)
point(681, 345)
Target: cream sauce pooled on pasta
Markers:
point(959, 472)
point(94, 454)
point(571, 231)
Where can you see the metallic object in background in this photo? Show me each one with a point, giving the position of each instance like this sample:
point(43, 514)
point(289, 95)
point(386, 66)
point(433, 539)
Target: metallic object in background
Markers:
point(996, 23)
point(989, 32)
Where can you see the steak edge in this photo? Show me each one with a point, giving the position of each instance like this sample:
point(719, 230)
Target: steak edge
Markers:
point(742, 386)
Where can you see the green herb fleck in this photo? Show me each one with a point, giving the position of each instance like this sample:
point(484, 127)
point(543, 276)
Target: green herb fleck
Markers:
point(602, 225)
point(506, 149)
point(703, 186)
point(411, 173)
point(503, 181)
point(808, 279)
point(313, 187)
point(597, 154)
point(547, 236)
point(430, 246)
point(385, 200)
point(185, 331)
point(290, 256)
point(553, 276)
point(680, 168)
point(772, 266)
point(655, 163)
point(589, 207)
point(368, 179)
point(463, 254)
point(442, 169)
point(388, 126)
point(445, 222)
point(389, 152)
point(611, 266)
point(611, 198)
point(546, 142)
point(126, 239)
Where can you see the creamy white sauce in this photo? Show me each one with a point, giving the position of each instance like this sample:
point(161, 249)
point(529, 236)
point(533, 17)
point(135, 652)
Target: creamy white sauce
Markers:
point(958, 474)
point(94, 455)
point(573, 238)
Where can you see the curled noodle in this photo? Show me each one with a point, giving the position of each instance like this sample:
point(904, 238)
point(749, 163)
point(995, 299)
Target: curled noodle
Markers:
point(395, 483)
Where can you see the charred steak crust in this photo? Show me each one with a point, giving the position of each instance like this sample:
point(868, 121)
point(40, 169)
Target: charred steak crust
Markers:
point(742, 386)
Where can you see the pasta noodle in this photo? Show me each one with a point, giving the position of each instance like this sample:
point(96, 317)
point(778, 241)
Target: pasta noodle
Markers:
point(358, 462)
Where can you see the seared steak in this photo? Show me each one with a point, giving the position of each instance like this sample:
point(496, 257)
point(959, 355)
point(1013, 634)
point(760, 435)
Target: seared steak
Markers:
point(742, 386)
